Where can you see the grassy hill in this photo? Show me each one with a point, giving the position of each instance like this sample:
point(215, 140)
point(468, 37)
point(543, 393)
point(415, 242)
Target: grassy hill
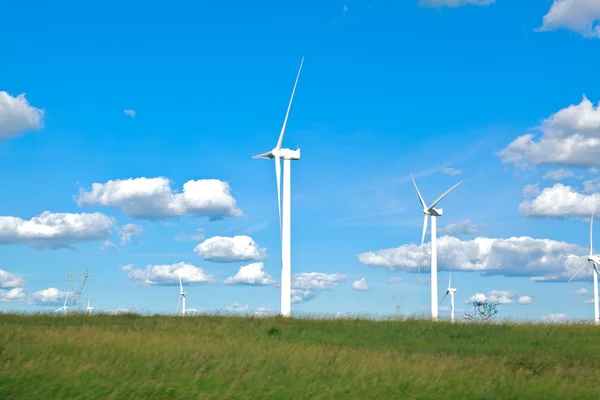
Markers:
point(161, 357)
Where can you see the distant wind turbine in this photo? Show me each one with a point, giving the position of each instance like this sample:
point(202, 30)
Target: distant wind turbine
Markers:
point(89, 309)
point(595, 260)
point(182, 296)
point(285, 215)
point(433, 213)
point(450, 292)
point(64, 307)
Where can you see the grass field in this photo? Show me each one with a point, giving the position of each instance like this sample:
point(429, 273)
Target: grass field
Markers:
point(159, 357)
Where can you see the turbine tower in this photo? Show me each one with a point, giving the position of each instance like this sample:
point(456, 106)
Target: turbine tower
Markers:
point(450, 292)
point(89, 309)
point(595, 260)
point(182, 296)
point(431, 211)
point(285, 215)
point(64, 307)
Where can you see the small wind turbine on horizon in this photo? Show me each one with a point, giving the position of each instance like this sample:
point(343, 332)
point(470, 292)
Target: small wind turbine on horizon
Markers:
point(431, 211)
point(278, 153)
point(182, 296)
point(450, 292)
point(595, 260)
point(64, 307)
point(89, 309)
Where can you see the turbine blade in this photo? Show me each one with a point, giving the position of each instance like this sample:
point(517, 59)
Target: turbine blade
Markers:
point(450, 278)
point(422, 241)
point(418, 193)
point(66, 297)
point(577, 273)
point(442, 196)
point(268, 155)
point(178, 301)
point(278, 177)
point(280, 141)
point(591, 226)
point(444, 296)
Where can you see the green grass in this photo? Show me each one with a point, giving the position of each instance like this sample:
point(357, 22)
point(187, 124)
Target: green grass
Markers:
point(217, 357)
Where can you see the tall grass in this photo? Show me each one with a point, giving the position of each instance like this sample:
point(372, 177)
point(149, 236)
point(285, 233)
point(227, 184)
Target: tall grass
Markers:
point(217, 357)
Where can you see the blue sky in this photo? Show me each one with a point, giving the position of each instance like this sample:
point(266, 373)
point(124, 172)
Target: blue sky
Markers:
point(387, 88)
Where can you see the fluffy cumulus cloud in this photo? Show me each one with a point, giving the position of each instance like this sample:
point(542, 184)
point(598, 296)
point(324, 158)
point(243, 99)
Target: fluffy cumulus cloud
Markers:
point(168, 275)
point(494, 296)
point(459, 228)
point(252, 274)
point(49, 297)
point(570, 137)
point(581, 16)
point(130, 113)
point(539, 259)
point(524, 300)
point(560, 201)
point(558, 174)
point(230, 249)
point(153, 198)
point(128, 231)
point(554, 318)
point(308, 285)
point(582, 292)
point(360, 285)
point(17, 116)
point(8, 280)
point(55, 230)
point(454, 3)
point(13, 295)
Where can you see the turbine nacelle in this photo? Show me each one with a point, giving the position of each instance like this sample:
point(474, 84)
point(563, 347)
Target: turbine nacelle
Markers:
point(436, 212)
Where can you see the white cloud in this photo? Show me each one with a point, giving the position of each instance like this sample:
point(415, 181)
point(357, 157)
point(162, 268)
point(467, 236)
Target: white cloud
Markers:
point(451, 171)
point(8, 280)
point(128, 231)
point(55, 230)
point(196, 237)
point(454, 3)
point(17, 116)
point(554, 318)
point(570, 137)
point(589, 301)
point(558, 174)
point(582, 292)
point(168, 275)
point(465, 227)
point(131, 113)
point(13, 295)
point(153, 198)
point(525, 300)
point(230, 249)
point(560, 201)
point(235, 307)
point(360, 285)
point(50, 297)
point(494, 296)
point(252, 274)
point(581, 16)
point(107, 244)
point(540, 259)
point(117, 311)
point(307, 285)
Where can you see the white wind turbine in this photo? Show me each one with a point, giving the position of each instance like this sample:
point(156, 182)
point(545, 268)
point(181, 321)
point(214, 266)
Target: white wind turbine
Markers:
point(182, 296)
point(595, 260)
point(64, 307)
point(89, 309)
point(285, 215)
point(433, 212)
point(450, 292)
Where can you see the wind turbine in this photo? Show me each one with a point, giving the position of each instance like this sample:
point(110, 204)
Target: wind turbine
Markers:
point(182, 295)
point(433, 213)
point(89, 309)
point(595, 260)
point(285, 215)
point(64, 307)
point(450, 292)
